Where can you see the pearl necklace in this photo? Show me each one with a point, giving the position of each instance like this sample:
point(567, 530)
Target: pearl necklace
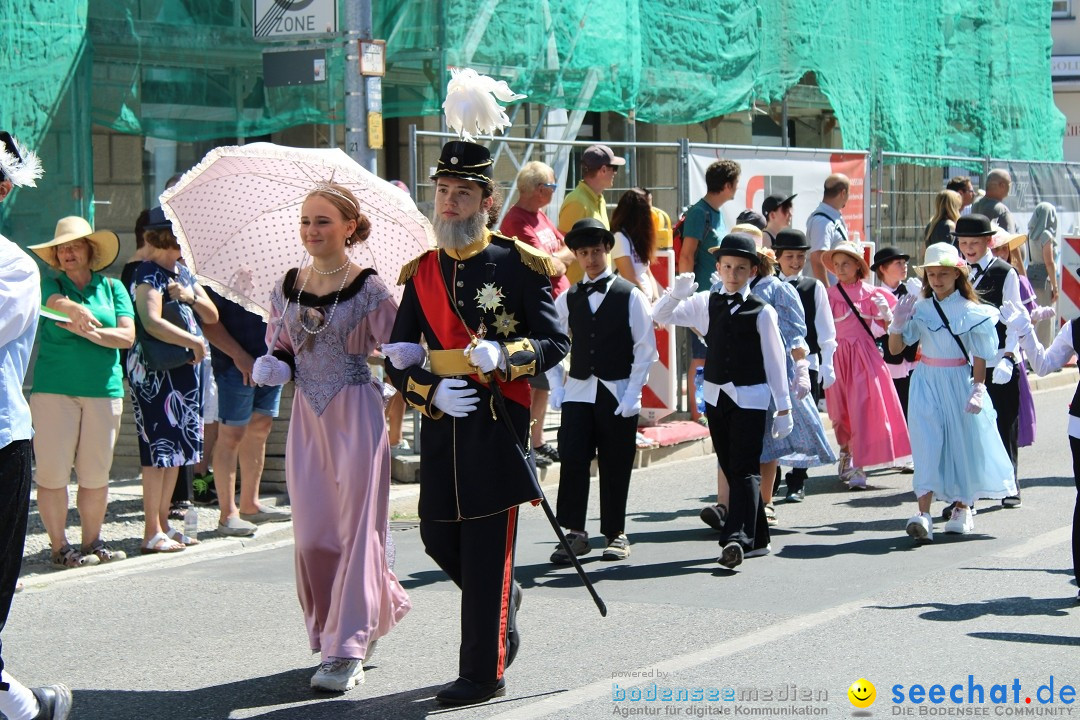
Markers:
point(331, 272)
point(337, 297)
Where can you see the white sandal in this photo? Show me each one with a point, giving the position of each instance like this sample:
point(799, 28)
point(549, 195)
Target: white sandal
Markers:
point(180, 537)
point(150, 547)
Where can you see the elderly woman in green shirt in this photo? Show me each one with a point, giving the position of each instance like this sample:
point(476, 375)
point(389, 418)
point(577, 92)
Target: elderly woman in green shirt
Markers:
point(77, 393)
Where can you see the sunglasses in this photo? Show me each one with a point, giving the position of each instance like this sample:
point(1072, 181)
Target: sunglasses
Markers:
point(549, 186)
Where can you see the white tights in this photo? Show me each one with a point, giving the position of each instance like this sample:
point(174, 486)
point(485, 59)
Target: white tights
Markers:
point(18, 703)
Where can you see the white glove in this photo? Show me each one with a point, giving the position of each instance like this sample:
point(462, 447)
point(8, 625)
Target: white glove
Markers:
point(782, 425)
point(1003, 371)
point(1041, 313)
point(902, 313)
point(882, 305)
point(826, 372)
point(403, 354)
point(683, 287)
point(802, 378)
point(1015, 317)
point(268, 370)
point(485, 356)
point(630, 405)
point(715, 278)
point(555, 398)
point(455, 398)
point(974, 403)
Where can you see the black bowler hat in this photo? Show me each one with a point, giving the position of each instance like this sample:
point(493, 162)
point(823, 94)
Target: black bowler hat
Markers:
point(887, 254)
point(751, 217)
point(790, 239)
point(974, 225)
point(157, 220)
point(588, 232)
point(739, 245)
point(465, 161)
point(774, 203)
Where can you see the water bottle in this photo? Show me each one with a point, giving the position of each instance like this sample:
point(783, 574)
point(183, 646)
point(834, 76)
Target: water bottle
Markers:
point(191, 523)
point(856, 237)
point(699, 389)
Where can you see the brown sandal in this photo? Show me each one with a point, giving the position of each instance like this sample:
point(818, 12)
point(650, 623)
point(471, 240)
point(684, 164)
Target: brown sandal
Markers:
point(104, 554)
point(70, 557)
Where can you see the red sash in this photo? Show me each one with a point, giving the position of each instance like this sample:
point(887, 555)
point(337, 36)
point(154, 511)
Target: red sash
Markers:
point(449, 330)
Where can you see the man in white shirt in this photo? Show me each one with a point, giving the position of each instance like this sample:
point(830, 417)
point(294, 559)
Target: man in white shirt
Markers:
point(826, 225)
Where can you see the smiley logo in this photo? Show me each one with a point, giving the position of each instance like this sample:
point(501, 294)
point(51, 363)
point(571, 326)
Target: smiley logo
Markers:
point(862, 693)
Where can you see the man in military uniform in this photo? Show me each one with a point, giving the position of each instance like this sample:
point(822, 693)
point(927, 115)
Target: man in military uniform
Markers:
point(483, 304)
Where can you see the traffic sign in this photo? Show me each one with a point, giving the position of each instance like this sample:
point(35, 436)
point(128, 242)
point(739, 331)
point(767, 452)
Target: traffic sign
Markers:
point(289, 19)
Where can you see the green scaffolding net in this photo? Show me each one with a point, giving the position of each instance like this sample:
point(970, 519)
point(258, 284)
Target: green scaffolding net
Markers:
point(937, 77)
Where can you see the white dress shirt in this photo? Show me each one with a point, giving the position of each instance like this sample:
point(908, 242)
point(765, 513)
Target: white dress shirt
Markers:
point(641, 330)
point(823, 320)
point(1046, 360)
point(1011, 292)
point(694, 313)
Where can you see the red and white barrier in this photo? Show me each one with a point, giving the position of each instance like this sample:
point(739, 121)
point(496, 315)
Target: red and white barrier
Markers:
point(658, 397)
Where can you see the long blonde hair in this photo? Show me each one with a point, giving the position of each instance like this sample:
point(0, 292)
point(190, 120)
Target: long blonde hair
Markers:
point(947, 206)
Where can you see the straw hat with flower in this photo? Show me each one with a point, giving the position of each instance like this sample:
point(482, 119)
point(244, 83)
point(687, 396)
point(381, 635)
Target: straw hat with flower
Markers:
point(944, 254)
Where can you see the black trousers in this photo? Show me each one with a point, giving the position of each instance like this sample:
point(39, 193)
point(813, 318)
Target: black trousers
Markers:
point(14, 512)
point(902, 385)
point(737, 437)
point(478, 555)
point(1074, 445)
point(1006, 399)
point(184, 479)
point(593, 430)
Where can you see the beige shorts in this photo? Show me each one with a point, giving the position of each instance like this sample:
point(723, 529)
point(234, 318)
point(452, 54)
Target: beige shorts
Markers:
point(74, 431)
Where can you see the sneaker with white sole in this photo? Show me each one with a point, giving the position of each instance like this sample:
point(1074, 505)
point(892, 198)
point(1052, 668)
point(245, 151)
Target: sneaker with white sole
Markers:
point(961, 522)
point(921, 528)
point(339, 675)
point(758, 552)
point(579, 545)
point(54, 702)
point(618, 548)
point(856, 480)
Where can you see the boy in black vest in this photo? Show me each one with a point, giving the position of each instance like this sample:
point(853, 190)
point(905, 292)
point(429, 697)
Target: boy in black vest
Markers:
point(613, 347)
point(790, 246)
point(997, 283)
point(744, 366)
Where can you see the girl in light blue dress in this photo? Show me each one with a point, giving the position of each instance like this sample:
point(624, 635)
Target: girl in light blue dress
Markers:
point(955, 446)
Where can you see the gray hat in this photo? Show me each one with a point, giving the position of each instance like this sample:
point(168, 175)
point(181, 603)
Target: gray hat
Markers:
point(597, 156)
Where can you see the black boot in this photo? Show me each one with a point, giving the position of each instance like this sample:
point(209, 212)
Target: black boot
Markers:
point(513, 637)
point(467, 692)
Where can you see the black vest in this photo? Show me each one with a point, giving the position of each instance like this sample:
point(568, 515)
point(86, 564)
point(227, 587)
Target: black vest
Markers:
point(992, 290)
point(1074, 406)
point(910, 352)
point(734, 352)
point(602, 342)
point(806, 286)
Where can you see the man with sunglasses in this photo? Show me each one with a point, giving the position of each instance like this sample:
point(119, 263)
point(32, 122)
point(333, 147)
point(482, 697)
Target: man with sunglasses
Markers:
point(599, 164)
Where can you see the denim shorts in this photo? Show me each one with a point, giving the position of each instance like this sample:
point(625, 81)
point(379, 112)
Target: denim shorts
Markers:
point(697, 347)
point(237, 401)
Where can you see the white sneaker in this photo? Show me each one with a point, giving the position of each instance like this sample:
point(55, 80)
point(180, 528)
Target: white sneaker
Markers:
point(921, 528)
point(760, 552)
point(961, 522)
point(856, 480)
point(339, 675)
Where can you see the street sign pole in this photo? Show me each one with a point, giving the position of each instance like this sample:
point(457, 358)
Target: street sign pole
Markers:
point(358, 26)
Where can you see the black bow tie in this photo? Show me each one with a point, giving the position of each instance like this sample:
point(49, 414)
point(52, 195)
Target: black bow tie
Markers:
point(733, 298)
point(599, 286)
point(901, 290)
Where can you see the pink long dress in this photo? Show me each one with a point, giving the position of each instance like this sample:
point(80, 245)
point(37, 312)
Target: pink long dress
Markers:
point(863, 406)
point(337, 469)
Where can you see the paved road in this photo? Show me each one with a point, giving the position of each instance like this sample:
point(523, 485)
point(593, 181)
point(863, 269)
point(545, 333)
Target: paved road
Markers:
point(845, 596)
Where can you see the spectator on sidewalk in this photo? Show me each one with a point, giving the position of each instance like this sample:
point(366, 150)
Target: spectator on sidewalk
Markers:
point(635, 242)
point(946, 212)
point(20, 297)
point(1042, 235)
point(777, 211)
point(826, 227)
point(527, 222)
point(77, 396)
point(703, 227)
point(245, 413)
point(992, 204)
point(599, 164)
point(961, 185)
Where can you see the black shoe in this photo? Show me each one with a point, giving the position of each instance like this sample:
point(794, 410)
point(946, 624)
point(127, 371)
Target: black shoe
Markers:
point(513, 637)
point(714, 516)
point(547, 451)
point(946, 514)
point(731, 556)
point(178, 509)
point(1012, 501)
point(208, 498)
point(467, 692)
point(54, 701)
point(541, 461)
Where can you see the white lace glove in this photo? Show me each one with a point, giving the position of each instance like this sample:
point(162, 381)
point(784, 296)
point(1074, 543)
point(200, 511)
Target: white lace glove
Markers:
point(782, 425)
point(902, 313)
point(974, 403)
point(1003, 371)
point(555, 398)
point(1043, 312)
point(455, 398)
point(403, 354)
point(485, 357)
point(630, 405)
point(882, 305)
point(802, 378)
point(826, 372)
point(683, 287)
point(268, 370)
point(1015, 317)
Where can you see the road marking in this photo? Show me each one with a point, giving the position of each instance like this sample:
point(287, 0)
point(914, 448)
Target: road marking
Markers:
point(763, 636)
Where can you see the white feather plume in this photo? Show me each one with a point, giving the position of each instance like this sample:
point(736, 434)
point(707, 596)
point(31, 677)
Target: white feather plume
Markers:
point(21, 173)
point(469, 106)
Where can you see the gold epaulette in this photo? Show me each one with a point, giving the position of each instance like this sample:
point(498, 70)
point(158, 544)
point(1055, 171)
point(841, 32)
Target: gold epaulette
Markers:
point(534, 259)
point(409, 269)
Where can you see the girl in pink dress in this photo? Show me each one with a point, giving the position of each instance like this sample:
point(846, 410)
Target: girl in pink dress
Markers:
point(863, 406)
point(337, 457)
